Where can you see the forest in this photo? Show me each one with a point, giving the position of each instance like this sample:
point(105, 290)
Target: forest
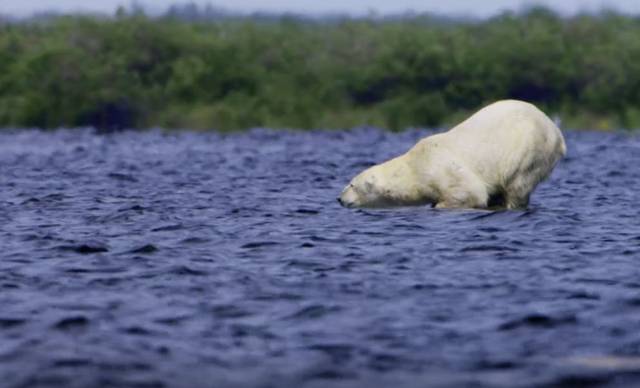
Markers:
point(134, 71)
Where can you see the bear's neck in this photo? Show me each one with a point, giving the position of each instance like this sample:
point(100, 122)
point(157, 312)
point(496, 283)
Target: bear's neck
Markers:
point(407, 186)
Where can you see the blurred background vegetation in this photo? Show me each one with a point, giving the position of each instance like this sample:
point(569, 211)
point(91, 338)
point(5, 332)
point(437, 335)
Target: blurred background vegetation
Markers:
point(195, 68)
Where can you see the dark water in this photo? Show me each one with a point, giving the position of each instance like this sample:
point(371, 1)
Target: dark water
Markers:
point(192, 260)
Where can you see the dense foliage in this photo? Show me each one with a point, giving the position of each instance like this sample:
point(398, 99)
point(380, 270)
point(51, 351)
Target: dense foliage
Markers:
point(135, 71)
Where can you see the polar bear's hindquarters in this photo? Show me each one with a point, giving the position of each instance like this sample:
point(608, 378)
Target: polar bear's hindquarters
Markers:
point(534, 147)
point(501, 152)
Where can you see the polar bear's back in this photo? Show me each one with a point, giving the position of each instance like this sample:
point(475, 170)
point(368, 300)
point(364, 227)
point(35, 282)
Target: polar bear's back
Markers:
point(509, 123)
point(505, 138)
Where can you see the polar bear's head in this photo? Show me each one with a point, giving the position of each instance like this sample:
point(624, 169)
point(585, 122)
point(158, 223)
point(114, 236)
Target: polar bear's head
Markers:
point(385, 185)
point(367, 189)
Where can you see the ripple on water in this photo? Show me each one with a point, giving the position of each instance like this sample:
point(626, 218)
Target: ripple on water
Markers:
point(157, 260)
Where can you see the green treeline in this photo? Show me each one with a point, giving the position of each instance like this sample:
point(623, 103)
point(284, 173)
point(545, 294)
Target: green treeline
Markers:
point(132, 71)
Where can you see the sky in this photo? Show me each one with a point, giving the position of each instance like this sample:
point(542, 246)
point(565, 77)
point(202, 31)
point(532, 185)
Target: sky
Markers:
point(476, 8)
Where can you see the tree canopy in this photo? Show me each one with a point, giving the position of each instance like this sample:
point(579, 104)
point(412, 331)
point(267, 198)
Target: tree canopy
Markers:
point(132, 71)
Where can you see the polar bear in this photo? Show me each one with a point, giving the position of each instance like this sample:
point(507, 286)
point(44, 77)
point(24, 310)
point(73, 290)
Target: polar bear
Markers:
point(495, 158)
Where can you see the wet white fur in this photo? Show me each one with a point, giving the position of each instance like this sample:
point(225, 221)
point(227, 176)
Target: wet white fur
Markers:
point(505, 149)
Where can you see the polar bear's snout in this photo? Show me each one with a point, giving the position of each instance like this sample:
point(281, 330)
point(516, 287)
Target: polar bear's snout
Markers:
point(348, 197)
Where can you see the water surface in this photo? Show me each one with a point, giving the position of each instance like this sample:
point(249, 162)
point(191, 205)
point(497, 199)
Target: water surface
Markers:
point(202, 260)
